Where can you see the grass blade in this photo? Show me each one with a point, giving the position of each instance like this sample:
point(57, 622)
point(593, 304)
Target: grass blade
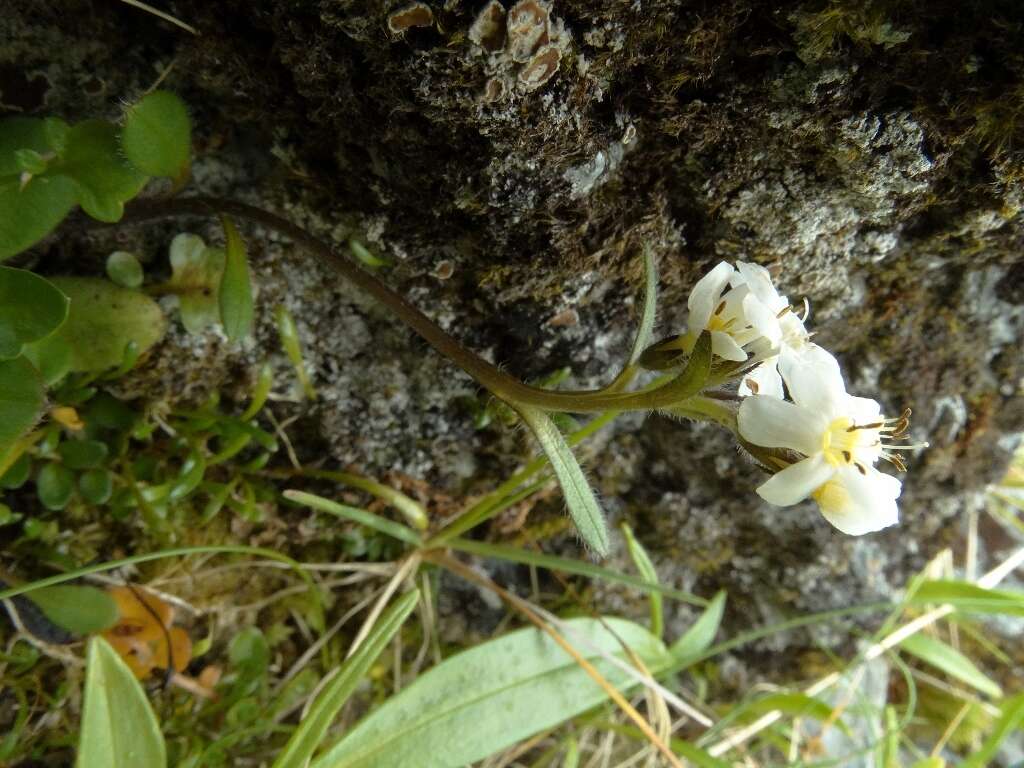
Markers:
point(356, 515)
point(307, 737)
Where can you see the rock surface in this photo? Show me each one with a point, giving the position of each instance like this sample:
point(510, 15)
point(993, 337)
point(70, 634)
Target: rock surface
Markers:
point(869, 154)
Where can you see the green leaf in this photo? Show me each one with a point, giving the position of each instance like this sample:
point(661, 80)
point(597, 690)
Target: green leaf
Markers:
point(646, 328)
point(119, 729)
point(196, 273)
point(307, 737)
point(568, 565)
point(17, 474)
point(951, 661)
point(968, 597)
point(289, 334)
point(649, 574)
point(702, 633)
point(494, 695)
point(30, 212)
point(157, 135)
point(124, 269)
point(19, 133)
point(96, 486)
point(236, 310)
point(94, 161)
point(54, 486)
point(360, 516)
point(21, 398)
point(51, 357)
point(579, 496)
point(792, 704)
point(31, 308)
point(82, 454)
point(1010, 720)
point(78, 609)
point(104, 319)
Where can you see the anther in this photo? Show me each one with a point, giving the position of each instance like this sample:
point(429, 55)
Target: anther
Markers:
point(752, 386)
point(848, 456)
point(861, 469)
point(783, 311)
point(720, 307)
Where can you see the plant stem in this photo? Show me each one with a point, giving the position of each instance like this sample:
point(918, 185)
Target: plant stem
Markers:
point(486, 374)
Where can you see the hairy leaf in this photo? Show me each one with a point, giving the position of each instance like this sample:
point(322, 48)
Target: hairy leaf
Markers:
point(157, 135)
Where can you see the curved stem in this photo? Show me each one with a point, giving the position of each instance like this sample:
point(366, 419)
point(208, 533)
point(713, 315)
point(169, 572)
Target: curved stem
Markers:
point(486, 374)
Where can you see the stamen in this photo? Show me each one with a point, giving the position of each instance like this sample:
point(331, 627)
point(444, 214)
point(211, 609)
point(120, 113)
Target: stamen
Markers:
point(752, 385)
point(848, 456)
point(720, 307)
point(874, 425)
point(783, 311)
point(807, 310)
point(895, 460)
point(860, 468)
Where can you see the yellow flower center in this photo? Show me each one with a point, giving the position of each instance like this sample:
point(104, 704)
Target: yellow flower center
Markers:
point(844, 442)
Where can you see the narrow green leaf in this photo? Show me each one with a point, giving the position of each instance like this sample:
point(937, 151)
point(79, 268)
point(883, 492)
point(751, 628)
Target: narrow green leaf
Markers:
point(307, 737)
point(94, 161)
point(236, 309)
point(494, 695)
point(647, 316)
point(30, 212)
point(157, 135)
point(702, 633)
point(1011, 719)
point(792, 704)
point(119, 729)
point(365, 255)
point(951, 661)
point(104, 319)
point(21, 398)
point(360, 516)
point(289, 334)
point(579, 496)
point(31, 308)
point(568, 565)
point(650, 575)
point(968, 597)
point(78, 609)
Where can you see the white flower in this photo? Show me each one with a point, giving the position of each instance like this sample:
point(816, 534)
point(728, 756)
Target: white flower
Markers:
point(735, 318)
point(774, 319)
point(840, 435)
point(746, 317)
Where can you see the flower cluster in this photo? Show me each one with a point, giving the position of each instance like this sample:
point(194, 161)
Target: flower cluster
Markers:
point(840, 437)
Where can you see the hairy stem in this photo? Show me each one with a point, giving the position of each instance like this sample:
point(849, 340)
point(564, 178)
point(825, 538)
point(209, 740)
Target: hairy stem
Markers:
point(486, 374)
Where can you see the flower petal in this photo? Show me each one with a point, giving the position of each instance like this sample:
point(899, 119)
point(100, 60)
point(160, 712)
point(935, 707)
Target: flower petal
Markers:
point(759, 281)
point(776, 423)
point(762, 318)
point(814, 380)
point(858, 503)
point(863, 410)
point(765, 379)
point(723, 345)
point(706, 294)
point(796, 482)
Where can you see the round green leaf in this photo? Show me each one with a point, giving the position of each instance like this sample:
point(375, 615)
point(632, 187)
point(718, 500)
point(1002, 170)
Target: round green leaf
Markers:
point(54, 486)
point(21, 398)
point(96, 486)
point(104, 319)
point(17, 474)
point(81, 610)
point(30, 161)
point(29, 212)
point(19, 133)
point(124, 269)
point(82, 454)
point(51, 357)
point(31, 308)
point(93, 160)
point(157, 135)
